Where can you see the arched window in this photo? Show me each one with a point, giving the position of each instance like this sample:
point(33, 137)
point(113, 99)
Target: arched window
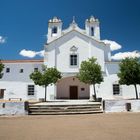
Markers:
point(92, 31)
point(54, 30)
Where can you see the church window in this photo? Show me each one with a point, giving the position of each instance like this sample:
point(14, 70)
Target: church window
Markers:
point(31, 89)
point(21, 71)
point(92, 31)
point(35, 69)
point(54, 30)
point(7, 70)
point(82, 89)
point(116, 89)
point(73, 59)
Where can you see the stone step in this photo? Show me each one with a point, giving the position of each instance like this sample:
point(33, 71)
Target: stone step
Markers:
point(65, 113)
point(64, 110)
point(64, 107)
point(31, 110)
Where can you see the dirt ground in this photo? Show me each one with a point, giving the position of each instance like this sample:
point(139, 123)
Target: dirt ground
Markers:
point(117, 126)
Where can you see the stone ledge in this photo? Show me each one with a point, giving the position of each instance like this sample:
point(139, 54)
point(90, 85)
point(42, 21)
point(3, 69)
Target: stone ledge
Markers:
point(12, 108)
point(122, 105)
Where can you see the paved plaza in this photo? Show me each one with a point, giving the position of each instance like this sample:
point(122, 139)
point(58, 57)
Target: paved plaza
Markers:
point(115, 126)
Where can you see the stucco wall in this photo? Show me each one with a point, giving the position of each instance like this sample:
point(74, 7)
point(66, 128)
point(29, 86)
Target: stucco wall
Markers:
point(120, 105)
point(112, 68)
point(15, 75)
point(12, 108)
point(105, 89)
point(58, 52)
point(17, 89)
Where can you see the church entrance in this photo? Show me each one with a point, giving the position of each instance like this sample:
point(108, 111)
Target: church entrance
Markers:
point(73, 92)
point(71, 88)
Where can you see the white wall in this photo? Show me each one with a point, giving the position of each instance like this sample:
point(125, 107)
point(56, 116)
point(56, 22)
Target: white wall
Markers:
point(105, 89)
point(97, 51)
point(15, 89)
point(15, 75)
point(120, 105)
point(58, 52)
point(16, 83)
point(112, 68)
point(12, 108)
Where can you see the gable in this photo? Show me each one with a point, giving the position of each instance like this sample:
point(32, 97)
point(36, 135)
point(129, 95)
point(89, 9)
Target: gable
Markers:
point(58, 52)
point(79, 37)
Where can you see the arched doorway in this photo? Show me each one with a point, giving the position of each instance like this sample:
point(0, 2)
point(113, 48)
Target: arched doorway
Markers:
point(72, 88)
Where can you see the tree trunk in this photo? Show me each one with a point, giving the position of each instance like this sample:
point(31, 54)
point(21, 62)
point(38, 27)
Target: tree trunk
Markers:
point(45, 93)
point(94, 91)
point(136, 91)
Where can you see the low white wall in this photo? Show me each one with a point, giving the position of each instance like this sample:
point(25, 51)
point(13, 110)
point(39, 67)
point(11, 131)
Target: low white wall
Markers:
point(12, 108)
point(120, 105)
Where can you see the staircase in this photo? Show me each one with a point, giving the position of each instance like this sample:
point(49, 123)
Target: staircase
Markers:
point(64, 108)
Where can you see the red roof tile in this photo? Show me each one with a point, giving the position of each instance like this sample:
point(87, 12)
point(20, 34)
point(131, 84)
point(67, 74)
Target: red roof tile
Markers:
point(22, 61)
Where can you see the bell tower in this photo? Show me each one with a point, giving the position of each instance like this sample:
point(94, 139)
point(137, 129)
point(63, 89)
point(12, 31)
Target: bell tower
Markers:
point(54, 29)
point(92, 27)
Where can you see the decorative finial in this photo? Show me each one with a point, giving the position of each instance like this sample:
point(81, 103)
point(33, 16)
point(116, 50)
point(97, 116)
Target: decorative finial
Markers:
point(73, 24)
point(73, 21)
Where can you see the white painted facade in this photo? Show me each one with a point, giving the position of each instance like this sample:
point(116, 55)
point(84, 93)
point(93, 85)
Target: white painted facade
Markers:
point(85, 43)
point(60, 48)
point(15, 83)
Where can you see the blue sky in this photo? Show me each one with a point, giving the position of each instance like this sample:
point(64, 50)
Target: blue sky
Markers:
point(23, 23)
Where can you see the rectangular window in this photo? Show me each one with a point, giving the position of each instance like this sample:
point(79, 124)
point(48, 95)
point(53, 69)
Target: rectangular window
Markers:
point(31, 89)
point(21, 70)
point(82, 89)
point(7, 70)
point(73, 60)
point(116, 89)
point(35, 69)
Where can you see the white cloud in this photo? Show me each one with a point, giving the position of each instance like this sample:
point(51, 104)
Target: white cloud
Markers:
point(40, 53)
point(30, 53)
point(2, 39)
point(113, 45)
point(123, 55)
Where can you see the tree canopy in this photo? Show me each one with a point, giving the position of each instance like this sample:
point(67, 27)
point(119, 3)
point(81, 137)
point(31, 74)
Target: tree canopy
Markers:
point(130, 72)
point(45, 78)
point(1, 69)
point(90, 73)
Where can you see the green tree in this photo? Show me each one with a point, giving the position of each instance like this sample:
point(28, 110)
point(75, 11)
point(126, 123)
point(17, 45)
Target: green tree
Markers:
point(1, 69)
point(130, 72)
point(45, 78)
point(90, 73)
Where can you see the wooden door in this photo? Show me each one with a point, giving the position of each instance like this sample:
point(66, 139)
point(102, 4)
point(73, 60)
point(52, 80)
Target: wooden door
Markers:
point(73, 92)
point(1, 93)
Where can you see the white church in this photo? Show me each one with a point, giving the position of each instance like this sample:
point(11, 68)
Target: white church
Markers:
point(65, 50)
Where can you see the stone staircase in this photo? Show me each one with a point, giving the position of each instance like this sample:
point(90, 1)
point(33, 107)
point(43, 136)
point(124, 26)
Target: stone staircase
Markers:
point(64, 108)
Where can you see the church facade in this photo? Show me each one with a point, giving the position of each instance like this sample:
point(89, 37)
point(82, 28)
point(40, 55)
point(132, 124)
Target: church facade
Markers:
point(65, 50)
